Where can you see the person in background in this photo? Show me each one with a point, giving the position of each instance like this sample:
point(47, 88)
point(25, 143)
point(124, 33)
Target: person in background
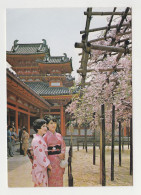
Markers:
point(9, 141)
point(40, 159)
point(25, 141)
point(20, 140)
point(56, 152)
point(13, 140)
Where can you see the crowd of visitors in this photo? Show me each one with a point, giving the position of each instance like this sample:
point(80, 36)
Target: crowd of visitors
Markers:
point(13, 138)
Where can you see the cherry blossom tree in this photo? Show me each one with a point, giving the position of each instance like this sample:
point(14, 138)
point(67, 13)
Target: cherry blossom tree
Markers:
point(110, 82)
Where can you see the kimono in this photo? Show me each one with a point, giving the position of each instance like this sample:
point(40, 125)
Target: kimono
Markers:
point(55, 145)
point(40, 161)
point(25, 142)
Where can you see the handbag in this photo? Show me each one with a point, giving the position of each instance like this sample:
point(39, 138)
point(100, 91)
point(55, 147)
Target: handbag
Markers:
point(63, 163)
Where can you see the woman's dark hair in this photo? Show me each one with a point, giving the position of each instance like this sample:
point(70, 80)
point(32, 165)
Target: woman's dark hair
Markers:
point(9, 127)
point(24, 128)
point(38, 123)
point(49, 118)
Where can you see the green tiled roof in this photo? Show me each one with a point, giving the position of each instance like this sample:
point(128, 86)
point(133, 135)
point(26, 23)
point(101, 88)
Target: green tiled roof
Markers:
point(55, 59)
point(43, 89)
point(34, 48)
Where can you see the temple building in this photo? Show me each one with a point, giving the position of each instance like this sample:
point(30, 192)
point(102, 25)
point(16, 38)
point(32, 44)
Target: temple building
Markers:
point(41, 85)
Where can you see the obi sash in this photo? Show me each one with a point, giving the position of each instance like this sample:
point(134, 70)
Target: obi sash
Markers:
point(54, 150)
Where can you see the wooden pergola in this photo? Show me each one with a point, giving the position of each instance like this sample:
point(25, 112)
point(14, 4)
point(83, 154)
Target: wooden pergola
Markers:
point(87, 46)
point(112, 49)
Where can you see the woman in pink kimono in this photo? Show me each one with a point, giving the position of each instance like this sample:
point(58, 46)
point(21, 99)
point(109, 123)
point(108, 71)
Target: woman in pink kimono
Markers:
point(40, 161)
point(56, 152)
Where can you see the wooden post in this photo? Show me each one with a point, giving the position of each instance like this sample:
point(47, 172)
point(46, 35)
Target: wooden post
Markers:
point(94, 150)
point(70, 177)
point(122, 139)
point(119, 143)
point(77, 145)
point(86, 139)
point(131, 149)
point(85, 55)
point(69, 165)
point(113, 140)
point(70, 150)
point(103, 145)
point(100, 148)
point(70, 180)
point(128, 135)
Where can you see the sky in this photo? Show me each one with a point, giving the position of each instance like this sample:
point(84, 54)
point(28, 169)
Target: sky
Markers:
point(59, 26)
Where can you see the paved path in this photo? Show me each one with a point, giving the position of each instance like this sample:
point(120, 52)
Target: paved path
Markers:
point(19, 171)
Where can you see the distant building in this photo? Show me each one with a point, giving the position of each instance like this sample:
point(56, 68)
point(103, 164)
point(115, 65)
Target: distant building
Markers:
point(43, 77)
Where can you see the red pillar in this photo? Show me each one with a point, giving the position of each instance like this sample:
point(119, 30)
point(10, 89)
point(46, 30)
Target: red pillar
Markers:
point(8, 122)
point(125, 130)
point(41, 113)
point(21, 120)
point(16, 119)
point(62, 122)
point(28, 122)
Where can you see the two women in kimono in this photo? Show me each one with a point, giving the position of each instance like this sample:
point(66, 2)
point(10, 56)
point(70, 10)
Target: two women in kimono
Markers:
point(48, 151)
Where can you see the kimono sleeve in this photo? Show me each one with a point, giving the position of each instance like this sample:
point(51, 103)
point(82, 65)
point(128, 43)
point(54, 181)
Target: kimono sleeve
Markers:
point(40, 155)
point(45, 138)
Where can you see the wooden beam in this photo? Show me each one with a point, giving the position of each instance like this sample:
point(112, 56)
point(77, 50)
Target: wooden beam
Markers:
point(56, 113)
point(58, 97)
point(108, 37)
point(19, 110)
point(88, 70)
point(103, 48)
point(103, 28)
point(111, 69)
point(107, 13)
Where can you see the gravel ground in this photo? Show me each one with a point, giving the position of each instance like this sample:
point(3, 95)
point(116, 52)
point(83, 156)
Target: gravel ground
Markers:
point(86, 174)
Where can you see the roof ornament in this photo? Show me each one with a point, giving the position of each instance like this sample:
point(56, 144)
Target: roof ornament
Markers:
point(15, 45)
point(44, 42)
point(65, 55)
point(65, 58)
